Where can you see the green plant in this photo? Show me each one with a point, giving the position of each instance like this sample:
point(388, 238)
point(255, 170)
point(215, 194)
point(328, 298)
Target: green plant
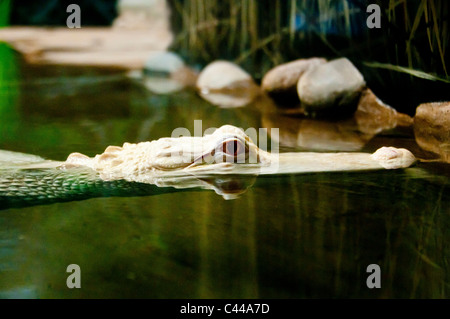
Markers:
point(4, 12)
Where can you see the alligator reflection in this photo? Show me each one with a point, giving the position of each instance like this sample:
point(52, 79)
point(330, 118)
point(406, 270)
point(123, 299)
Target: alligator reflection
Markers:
point(30, 187)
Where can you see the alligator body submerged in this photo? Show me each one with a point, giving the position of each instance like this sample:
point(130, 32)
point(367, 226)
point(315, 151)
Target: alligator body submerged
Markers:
point(215, 161)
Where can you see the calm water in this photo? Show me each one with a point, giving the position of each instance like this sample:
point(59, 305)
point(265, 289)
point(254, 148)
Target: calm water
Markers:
point(294, 236)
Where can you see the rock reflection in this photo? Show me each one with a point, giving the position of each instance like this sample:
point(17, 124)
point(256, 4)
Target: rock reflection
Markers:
point(316, 135)
point(349, 134)
point(230, 98)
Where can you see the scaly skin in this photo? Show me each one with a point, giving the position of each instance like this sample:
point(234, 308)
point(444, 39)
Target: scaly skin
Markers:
point(184, 162)
point(44, 186)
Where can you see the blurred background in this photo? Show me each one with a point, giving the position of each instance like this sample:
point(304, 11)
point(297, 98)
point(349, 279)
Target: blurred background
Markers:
point(404, 61)
point(291, 236)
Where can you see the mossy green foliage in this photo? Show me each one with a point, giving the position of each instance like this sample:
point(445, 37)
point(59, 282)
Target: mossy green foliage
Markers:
point(4, 12)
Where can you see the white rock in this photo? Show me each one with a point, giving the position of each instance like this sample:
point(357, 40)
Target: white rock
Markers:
point(222, 75)
point(225, 84)
point(283, 79)
point(164, 62)
point(165, 72)
point(335, 84)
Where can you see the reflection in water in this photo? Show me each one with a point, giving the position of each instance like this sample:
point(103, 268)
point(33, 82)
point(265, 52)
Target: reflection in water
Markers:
point(227, 186)
point(27, 187)
point(350, 134)
point(293, 236)
point(230, 98)
point(309, 134)
point(162, 85)
point(298, 236)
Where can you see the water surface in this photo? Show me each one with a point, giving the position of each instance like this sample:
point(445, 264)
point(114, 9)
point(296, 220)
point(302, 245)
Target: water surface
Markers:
point(290, 236)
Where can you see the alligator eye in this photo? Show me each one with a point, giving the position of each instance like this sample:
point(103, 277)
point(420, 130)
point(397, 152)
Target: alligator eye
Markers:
point(233, 147)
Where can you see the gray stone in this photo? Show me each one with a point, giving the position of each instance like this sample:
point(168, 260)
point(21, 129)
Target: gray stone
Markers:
point(165, 72)
point(226, 84)
point(432, 128)
point(280, 83)
point(333, 87)
point(223, 75)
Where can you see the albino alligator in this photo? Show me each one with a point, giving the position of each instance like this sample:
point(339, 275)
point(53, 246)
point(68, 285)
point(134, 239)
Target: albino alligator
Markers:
point(184, 162)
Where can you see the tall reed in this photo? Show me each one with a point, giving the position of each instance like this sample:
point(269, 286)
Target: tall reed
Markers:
point(414, 33)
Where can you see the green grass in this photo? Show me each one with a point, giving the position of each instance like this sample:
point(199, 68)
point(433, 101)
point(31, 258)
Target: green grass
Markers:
point(410, 71)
